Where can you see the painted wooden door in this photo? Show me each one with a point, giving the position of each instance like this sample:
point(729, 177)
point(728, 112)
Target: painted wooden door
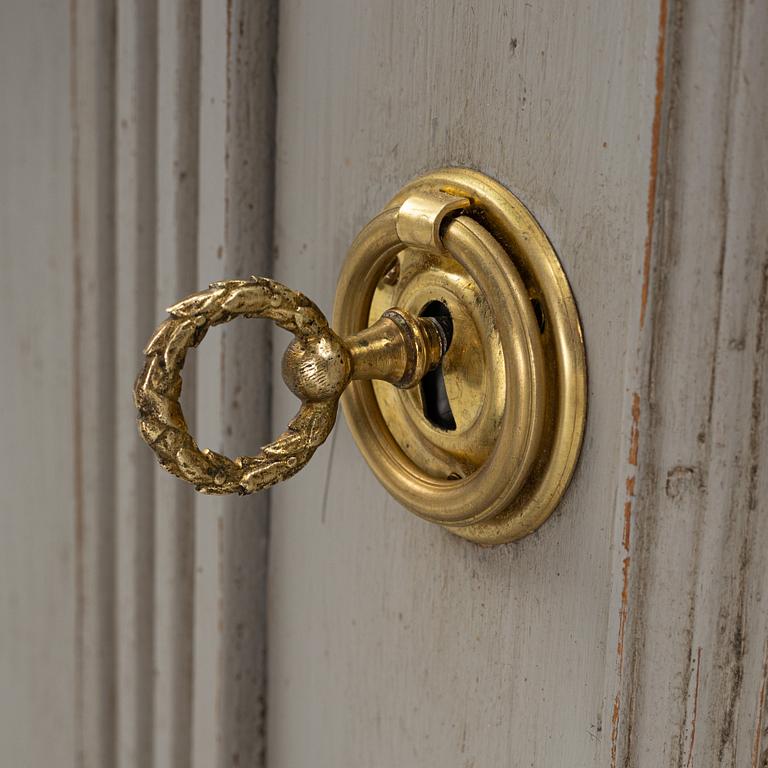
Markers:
point(135, 164)
point(150, 146)
point(632, 628)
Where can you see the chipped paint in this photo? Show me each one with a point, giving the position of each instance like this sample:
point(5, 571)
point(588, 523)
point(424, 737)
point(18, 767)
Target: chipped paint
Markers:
point(634, 433)
point(634, 443)
point(623, 611)
point(628, 512)
point(760, 711)
point(654, 163)
point(689, 763)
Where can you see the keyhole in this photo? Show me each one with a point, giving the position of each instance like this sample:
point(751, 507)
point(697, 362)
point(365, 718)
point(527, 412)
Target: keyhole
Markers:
point(437, 408)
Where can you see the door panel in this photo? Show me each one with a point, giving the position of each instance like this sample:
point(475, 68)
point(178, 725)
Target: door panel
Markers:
point(393, 643)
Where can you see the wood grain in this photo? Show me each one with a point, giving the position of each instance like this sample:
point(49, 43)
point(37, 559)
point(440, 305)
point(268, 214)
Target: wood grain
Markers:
point(696, 653)
point(629, 629)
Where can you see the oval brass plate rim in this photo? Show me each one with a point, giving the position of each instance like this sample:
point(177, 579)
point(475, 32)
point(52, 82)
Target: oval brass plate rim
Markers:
point(514, 227)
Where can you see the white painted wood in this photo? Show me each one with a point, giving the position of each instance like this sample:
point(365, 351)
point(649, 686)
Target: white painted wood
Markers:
point(38, 544)
point(392, 642)
point(696, 655)
point(630, 629)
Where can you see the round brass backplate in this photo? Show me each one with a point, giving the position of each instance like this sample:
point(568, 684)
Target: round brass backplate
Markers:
point(514, 374)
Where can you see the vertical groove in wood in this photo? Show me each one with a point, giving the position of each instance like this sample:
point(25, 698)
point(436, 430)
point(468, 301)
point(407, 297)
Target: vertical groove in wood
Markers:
point(616, 717)
point(93, 197)
point(237, 128)
point(246, 360)
point(136, 152)
point(177, 193)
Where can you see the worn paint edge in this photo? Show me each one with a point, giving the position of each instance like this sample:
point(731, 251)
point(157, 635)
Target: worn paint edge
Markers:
point(653, 175)
point(637, 385)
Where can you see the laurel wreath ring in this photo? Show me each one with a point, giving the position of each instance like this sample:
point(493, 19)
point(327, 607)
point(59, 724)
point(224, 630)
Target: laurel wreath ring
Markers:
point(158, 388)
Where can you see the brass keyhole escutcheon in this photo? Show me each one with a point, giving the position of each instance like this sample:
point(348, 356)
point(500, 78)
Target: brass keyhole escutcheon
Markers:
point(457, 353)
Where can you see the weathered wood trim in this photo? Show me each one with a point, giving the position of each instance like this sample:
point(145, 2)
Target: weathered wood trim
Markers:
point(173, 131)
point(237, 190)
point(246, 360)
point(616, 717)
point(695, 648)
